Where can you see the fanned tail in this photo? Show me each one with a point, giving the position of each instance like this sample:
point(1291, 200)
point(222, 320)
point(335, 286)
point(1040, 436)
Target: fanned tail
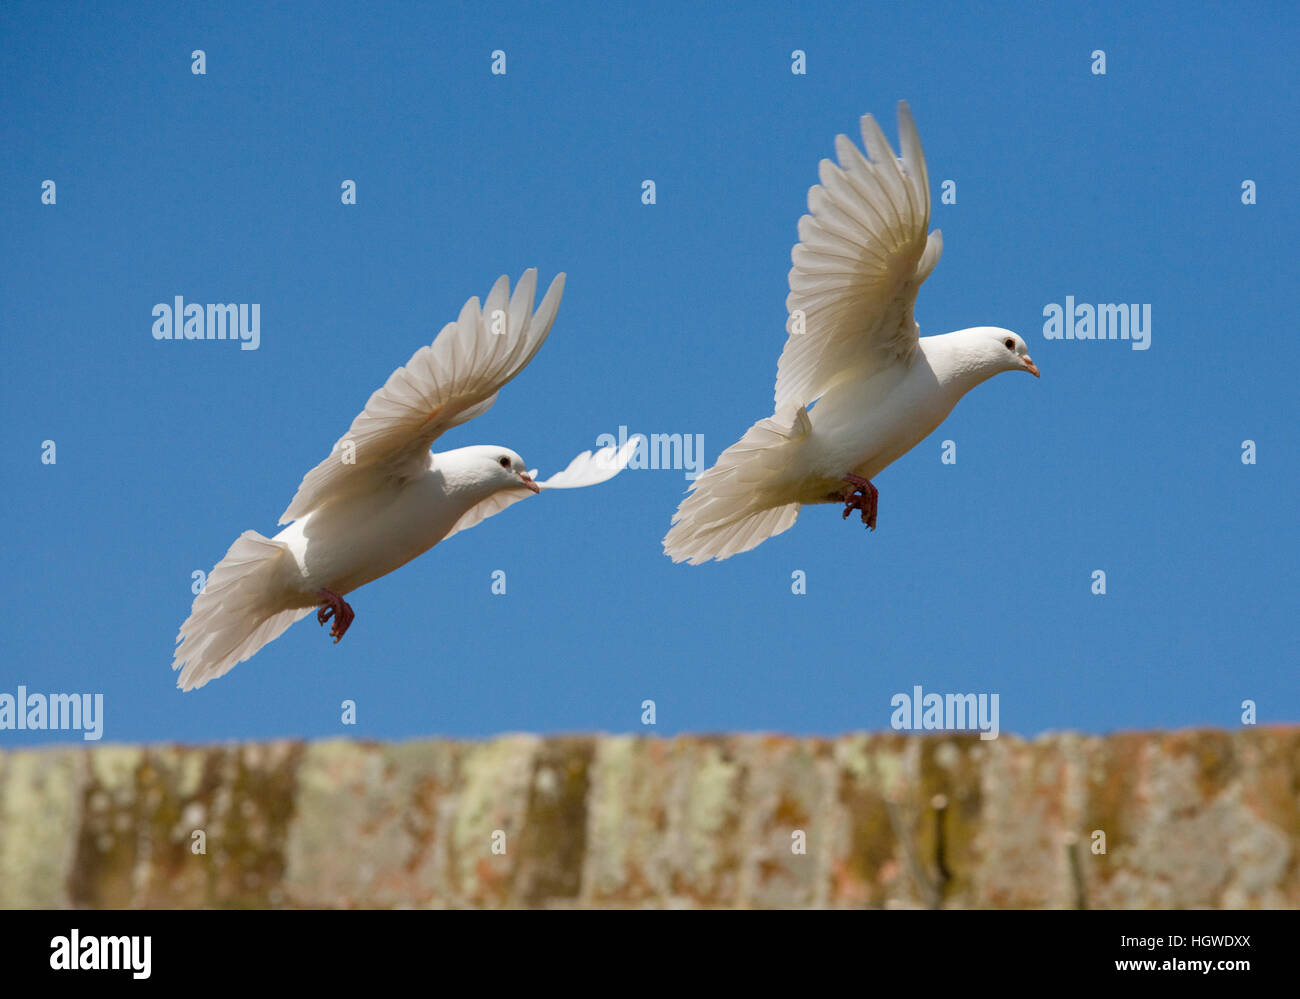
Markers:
point(739, 502)
point(238, 612)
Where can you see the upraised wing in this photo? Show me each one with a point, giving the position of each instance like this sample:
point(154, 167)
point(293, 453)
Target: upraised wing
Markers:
point(444, 384)
point(863, 252)
point(587, 469)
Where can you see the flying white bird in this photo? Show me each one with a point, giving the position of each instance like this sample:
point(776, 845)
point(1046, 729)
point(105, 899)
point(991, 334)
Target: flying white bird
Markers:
point(853, 349)
point(381, 498)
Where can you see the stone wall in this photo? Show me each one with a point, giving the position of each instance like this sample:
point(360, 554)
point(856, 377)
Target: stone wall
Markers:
point(1190, 819)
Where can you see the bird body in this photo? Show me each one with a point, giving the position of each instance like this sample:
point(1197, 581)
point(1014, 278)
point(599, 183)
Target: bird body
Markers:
point(345, 545)
point(863, 426)
point(857, 387)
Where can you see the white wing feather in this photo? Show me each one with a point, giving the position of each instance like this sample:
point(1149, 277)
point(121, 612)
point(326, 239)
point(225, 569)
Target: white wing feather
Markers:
point(443, 385)
point(862, 255)
point(587, 469)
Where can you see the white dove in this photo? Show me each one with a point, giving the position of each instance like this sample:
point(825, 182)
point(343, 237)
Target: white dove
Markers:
point(853, 349)
point(381, 498)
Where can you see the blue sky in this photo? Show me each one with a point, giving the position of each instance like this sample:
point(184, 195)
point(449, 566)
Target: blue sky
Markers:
point(225, 187)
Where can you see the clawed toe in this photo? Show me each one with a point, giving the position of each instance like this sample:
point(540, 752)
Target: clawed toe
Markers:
point(863, 497)
point(338, 608)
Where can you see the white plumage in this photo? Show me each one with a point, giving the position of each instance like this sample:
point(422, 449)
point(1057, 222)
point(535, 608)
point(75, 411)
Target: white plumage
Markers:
point(381, 497)
point(853, 349)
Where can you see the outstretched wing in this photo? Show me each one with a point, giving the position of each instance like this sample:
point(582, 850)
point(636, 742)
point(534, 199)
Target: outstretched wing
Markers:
point(863, 252)
point(587, 469)
point(454, 379)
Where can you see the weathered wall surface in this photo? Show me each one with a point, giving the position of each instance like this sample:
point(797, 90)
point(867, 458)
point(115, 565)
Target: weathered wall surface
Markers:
point(1191, 819)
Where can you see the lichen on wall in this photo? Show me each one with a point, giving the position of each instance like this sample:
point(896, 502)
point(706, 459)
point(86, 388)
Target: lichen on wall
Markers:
point(1182, 819)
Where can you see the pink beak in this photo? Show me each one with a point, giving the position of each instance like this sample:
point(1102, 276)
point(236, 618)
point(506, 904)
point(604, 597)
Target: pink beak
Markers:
point(1031, 367)
point(527, 480)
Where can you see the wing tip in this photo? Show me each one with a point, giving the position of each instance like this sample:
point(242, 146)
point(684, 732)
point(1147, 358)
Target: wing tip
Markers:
point(556, 285)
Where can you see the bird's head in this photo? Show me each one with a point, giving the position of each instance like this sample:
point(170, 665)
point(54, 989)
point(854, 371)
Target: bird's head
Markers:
point(503, 467)
point(1003, 350)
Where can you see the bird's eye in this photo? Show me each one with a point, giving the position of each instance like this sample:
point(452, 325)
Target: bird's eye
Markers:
point(1009, 343)
point(503, 461)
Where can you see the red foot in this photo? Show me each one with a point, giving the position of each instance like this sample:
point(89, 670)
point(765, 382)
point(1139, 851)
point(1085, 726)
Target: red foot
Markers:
point(337, 607)
point(864, 497)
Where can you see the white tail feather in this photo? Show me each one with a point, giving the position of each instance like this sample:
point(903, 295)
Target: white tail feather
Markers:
point(239, 610)
point(741, 501)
